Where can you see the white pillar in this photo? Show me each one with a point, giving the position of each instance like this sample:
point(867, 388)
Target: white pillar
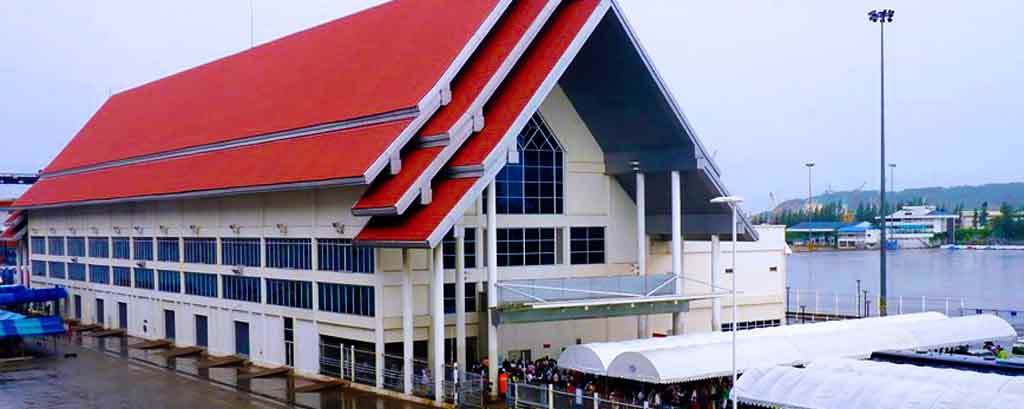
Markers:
point(716, 282)
point(437, 314)
point(460, 300)
point(407, 323)
point(641, 245)
point(378, 331)
point(678, 326)
point(492, 289)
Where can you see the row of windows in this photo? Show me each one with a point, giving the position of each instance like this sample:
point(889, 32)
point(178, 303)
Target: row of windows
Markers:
point(170, 281)
point(526, 246)
point(745, 325)
point(122, 276)
point(287, 253)
point(99, 274)
point(346, 299)
point(242, 288)
point(201, 284)
point(290, 293)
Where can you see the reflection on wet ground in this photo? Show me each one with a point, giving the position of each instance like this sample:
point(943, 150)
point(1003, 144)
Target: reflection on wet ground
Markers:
point(108, 374)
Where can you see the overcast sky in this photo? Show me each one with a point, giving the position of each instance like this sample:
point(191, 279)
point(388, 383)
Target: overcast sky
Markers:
point(768, 85)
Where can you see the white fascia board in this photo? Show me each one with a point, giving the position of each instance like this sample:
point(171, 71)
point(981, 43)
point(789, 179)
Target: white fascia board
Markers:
point(467, 123)
point(440, 93)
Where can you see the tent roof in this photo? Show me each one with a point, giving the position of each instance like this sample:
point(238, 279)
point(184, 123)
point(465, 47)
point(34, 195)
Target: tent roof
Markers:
point(870, 385)
point(677, 364)
point(596, 357)
point(27, 327)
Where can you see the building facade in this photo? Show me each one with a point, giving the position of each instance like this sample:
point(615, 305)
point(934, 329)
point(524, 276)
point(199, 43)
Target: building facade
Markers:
point(394, 224)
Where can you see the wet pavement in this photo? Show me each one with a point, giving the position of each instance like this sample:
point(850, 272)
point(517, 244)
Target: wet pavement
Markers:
point(108, 374)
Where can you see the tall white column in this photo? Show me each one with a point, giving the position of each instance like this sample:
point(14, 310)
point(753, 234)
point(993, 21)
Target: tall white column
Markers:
point(678, 324)
point(641, 245)
point(407, 323)
point(437, 327)
point(378, 331)
point(492, 289)
point(716, 282)
point(460, 300)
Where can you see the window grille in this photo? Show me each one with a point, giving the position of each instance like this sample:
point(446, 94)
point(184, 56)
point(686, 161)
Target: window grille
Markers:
point(99, 247)
point(241, 288)
point(240, 251)
point(293, 254)
point(57, 269)
point(76, 271)
point(346, 299)
point(37, 245)
point(56, 246)
point(167, 249)
point(122, 276)
point(200, 250)
point(526, 247)
point(120, 247)
point(39, 268)
point(143, 248)
point(76, 246)
point(201, 284)
point(99, 274)
point(341, 255)
point(449, 298)
point(470, 251)
point(290, 293)
point(170, 281)
point(144, 278)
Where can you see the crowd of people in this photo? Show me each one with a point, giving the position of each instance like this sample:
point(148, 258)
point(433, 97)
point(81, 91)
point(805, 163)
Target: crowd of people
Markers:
point(579, 389)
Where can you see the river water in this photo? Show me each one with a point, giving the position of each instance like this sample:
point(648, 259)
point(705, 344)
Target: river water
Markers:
point(988, 279)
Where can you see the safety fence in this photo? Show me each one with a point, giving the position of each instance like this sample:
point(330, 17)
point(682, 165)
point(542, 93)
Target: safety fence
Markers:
point(529, 396)
point(360, 366)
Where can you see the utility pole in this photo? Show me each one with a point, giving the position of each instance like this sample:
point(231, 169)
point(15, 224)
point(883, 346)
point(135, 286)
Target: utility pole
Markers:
point(810, 205)
point(882, 17)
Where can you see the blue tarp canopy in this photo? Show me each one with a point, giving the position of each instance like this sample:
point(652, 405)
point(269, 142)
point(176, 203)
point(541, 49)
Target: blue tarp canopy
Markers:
point(28, 327)
point(28, 295)
point(11, 288)
point(7, 315)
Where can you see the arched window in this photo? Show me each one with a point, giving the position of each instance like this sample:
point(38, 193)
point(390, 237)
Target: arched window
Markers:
point(534, 185)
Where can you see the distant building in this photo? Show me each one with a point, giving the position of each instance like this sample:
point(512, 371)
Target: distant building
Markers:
point(917, 226)
point(862, 235)
point(817, 233)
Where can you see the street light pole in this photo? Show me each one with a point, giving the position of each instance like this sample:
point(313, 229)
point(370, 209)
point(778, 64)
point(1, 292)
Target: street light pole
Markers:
point(810, 204)
point(882, 17)
point(892, 178)
point(733, 202)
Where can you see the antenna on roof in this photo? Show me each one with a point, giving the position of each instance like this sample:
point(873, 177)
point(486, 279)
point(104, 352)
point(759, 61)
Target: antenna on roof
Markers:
point(252, 24)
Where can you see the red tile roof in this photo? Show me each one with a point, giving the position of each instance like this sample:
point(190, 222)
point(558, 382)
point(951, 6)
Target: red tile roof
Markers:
point(382, 59)
point(420, 224)
point(522, 84)
point(469, 91)
point(314, 158)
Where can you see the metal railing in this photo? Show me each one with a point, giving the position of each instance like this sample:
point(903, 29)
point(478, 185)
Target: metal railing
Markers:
point(529, 396)
point(584, 288)
point(360, 366)
point(816, 305)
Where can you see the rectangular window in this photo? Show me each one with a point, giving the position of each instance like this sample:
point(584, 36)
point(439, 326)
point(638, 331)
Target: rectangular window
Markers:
point(201, 284)
point(39, 268)
point(122, 276)
point(57, 270)
point(241, 288)
point(470, 250)
point(76, 271)
point(745, 325)
point(346, 299)
point(341, 255)
point(120, 246)
point(37, 245)
point(240, 252)
point(449, 298)
point(526, 247)
point(99, 274)
point(201, 250)
point(143, 247)
point(144, 278)
point(586, 245)
point(167, 249)
point(290, 293)
point(293, 254)
point(99, 247)
point(76, 246)
point(56, 246)
point(170, 281)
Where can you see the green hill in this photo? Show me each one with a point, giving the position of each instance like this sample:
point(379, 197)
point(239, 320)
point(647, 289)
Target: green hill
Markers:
point(970, 197)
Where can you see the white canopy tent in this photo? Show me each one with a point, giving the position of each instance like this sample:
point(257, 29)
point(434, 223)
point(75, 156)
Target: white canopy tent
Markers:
point(975, 381)
point(895, 387)
point(708, 360)
point(595, 358)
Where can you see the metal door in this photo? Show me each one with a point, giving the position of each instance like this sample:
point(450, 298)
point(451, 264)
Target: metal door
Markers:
point(99, 311)
point(78, 307)
point(202, 331)
point(242, 338)
point(169, 329)
point(122, 315)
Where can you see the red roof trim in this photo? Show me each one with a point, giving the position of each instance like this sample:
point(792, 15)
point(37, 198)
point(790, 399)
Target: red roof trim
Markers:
point(309, 159)
point(11, 218)
point(292, 82)
point(470, 90)
point(534, 76)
